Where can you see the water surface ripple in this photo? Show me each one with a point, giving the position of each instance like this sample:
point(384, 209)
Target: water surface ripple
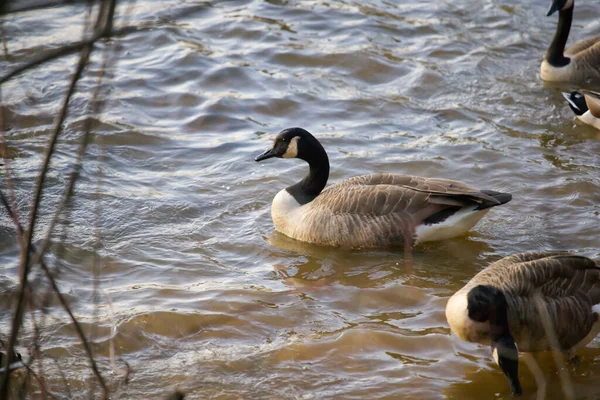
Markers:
point(206, 297)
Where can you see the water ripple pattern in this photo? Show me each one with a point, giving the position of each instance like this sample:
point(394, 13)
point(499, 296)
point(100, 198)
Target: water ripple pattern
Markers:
point(206, 297)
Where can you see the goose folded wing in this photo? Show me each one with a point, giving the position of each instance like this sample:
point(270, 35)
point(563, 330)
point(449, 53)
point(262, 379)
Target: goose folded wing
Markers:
point(392, 201)
point(432, 185)
point(582, 46)
point(570, 319)
point(524, 257)
point(566, 285)
point(443, 192)
point(552, 274)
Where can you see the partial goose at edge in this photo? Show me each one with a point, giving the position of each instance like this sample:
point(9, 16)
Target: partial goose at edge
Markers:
point(577, 63)
point(586, 106)
point(508, 304)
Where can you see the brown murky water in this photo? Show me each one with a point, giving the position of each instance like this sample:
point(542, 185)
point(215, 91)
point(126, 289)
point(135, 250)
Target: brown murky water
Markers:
point(206, 297)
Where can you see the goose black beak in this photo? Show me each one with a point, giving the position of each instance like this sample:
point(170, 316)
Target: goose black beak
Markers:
point(553, 8)
point(265, 155)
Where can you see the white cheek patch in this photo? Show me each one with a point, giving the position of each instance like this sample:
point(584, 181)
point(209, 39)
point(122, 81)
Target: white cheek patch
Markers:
point(568, 4)
point(292, 149)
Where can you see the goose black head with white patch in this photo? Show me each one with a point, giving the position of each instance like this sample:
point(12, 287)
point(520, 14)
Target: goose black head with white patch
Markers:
point(299, 143)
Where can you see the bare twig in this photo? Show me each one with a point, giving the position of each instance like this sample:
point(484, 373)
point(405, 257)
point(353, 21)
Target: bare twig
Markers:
point(68, 49)
point(538, 375)
point(25, 256)
point(15, 6)
point(64, 379)
point(106, 15)
point(565, 381)
point(25, 259)
point(63, 302)
point(7, 174)
point(37, 355)
point(68, 193)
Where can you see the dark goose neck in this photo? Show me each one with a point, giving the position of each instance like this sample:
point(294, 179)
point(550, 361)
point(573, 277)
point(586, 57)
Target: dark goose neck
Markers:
point(504, 346)
point(555, 54)
point(308, 188)
point(499, 320)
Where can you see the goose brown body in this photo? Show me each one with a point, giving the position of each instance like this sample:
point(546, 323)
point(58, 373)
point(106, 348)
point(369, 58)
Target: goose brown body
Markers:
point(568, 287)
point(379, 210)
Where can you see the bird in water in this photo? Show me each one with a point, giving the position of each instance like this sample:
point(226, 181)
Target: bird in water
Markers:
point(373, 210)
point(580, 61)
point(529, 302)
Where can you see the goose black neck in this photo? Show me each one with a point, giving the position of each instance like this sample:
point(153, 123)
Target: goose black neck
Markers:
point(555, 54)
point(308, 188)
point(499, 319)
point(504, 346)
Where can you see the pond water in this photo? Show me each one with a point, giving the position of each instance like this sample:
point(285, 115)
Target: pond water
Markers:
point(204, 295)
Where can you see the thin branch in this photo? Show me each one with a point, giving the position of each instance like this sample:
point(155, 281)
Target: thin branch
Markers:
point(25, 259)
point(7, 172)
point(24, 6)
point(25, 256)
point(68, 194)
point(25, 265)
point(37, 354)
point(78, 46)
point(63, 377)
point(62, 301)
point(566, 385)
point(69, 49)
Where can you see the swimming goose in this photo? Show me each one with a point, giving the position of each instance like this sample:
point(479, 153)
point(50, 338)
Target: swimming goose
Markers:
point(499, 306)
point(580, 61)
point(370, 210)
point(586, 105)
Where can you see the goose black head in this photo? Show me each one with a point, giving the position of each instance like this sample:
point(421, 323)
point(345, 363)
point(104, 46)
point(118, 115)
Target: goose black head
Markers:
point(487, 303)
point(292, 143)
point(577, 102)
point(559, 5)
point(483, 301)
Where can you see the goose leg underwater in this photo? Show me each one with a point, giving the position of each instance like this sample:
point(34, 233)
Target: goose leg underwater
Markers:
point(501, 307)
point(376, 210)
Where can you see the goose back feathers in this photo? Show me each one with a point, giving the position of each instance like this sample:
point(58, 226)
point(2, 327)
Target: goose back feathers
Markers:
point(578, 62)
point(372, 210)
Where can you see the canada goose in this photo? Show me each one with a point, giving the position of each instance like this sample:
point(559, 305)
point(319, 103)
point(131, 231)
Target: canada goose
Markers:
point(586, 105)
point(370, 210)
point(500, 306)
point(580, 61)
